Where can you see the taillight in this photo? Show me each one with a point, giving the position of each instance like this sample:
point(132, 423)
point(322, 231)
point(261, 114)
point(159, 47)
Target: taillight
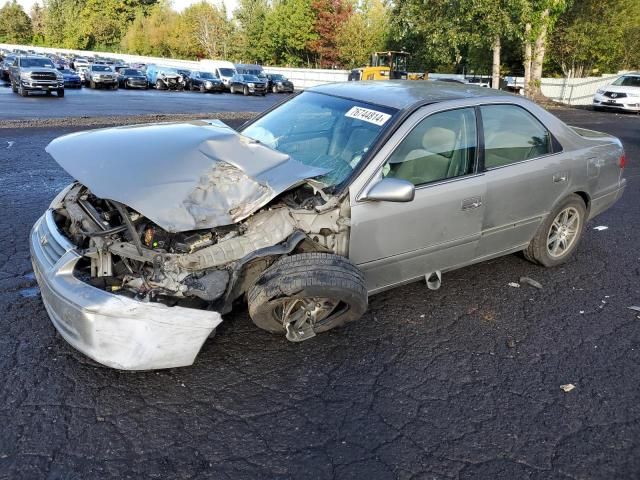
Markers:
point(623, 161)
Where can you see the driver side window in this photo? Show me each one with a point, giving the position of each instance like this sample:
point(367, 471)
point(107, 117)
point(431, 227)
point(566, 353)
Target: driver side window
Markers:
point(441, 146)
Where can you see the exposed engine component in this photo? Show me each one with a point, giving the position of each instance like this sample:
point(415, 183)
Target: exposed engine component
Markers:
point(127, 253)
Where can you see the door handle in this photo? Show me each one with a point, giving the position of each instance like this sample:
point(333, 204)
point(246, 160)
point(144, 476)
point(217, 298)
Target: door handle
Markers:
point(471, 203)
point(560, 177)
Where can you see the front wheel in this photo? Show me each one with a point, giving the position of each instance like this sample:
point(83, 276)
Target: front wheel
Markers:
point(159, 85)
point(245, 91)
point(558, 236)
point(274, 89)
point(60, 92)
point(22, 91)
point(306, 294)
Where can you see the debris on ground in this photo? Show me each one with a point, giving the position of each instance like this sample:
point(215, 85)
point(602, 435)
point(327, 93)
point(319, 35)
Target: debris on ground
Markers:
point(511, 343)
point(531, 281)
point(568, 387)
point(633, 307)
point(514, 284)
point(600, 228)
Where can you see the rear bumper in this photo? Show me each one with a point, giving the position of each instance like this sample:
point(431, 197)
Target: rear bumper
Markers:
point(113, 330)
point(600, 204)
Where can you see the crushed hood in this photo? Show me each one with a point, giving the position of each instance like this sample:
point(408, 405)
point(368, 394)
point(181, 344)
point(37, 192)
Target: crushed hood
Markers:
point(182, 176)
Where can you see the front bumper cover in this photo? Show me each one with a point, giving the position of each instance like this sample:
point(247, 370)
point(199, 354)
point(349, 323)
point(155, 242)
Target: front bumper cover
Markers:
point(630, 104)
point(113, 330)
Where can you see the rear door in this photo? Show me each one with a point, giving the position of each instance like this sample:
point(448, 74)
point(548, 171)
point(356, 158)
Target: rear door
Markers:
point(525, 175)
point(395, 243)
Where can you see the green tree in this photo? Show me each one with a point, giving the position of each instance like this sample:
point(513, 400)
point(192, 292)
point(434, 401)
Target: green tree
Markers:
point(207, 30)
point(37, 23)
point(250, 17)
point(288, 33)
point(155, 33)
point(15, 24)
point(364, 32)
point(538, 18)
point(596, 37)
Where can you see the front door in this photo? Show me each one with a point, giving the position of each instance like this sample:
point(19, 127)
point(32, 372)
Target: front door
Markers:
point(395, 243)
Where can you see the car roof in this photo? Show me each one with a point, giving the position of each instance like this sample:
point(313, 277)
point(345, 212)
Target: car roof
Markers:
point(401, 94)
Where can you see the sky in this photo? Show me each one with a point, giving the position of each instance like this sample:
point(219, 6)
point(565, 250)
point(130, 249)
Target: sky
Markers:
point(177, 4)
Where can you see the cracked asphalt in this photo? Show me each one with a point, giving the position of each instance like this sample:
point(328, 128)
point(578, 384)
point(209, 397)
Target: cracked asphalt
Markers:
point(462, 383)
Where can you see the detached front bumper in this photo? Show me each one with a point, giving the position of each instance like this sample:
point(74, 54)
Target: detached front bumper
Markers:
point(629, 104)
point(113, 330)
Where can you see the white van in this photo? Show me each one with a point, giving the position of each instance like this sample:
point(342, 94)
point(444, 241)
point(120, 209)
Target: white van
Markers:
point(224, 70)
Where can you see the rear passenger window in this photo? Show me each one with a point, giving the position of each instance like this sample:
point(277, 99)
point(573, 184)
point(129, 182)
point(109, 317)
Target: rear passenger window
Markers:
point(442, 146)
point(511, 134)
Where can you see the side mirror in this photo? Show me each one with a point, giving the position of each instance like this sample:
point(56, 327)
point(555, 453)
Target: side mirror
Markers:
point(391, 190)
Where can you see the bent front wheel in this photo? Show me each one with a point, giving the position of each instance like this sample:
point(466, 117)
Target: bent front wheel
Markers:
point(306, 294)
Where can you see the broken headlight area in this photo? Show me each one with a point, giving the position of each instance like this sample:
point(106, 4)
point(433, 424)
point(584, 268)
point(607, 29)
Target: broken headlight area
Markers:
point(125, 253)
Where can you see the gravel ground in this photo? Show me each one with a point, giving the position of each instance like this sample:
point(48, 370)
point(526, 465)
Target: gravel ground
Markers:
point(463, 382)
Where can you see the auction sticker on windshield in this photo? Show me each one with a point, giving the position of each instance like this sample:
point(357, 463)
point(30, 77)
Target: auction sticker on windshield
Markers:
point(371, 116)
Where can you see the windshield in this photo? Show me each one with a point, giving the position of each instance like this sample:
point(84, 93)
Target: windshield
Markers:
point(36, 62)
point(226, 72)
point(250, 78)
point(130, 71)
point(278, 78)
point(322, 131)
point(628, 81)
point(100, 68)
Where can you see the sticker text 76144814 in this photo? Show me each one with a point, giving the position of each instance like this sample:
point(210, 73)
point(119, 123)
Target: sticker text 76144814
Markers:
point(367, 115)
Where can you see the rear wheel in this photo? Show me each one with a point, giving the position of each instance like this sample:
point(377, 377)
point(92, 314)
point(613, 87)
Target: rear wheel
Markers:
point(306, 294)
point(559, 235)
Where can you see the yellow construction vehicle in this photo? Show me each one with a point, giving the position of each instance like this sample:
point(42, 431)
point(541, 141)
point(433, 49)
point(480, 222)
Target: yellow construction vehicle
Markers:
point(388, 66)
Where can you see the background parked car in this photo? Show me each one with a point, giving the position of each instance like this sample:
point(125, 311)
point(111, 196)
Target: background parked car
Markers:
point(248, 85)
point(71, 78)
point(98, 76)
point(622, 94)
point(35, 74)
point(79, 62)
point(132, 78)
point(205, 82)
point(5, 67)
point(278, 83)
point(223, 69)
point(165, 78)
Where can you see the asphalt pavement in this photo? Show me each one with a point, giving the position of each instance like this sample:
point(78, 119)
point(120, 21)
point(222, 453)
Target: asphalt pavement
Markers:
point(463, 382)
point(86, 102)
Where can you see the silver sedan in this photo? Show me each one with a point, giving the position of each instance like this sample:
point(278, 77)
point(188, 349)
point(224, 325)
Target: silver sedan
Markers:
point(343, 191)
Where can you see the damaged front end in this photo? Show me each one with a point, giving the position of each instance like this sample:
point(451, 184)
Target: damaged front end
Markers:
point(143, 288)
